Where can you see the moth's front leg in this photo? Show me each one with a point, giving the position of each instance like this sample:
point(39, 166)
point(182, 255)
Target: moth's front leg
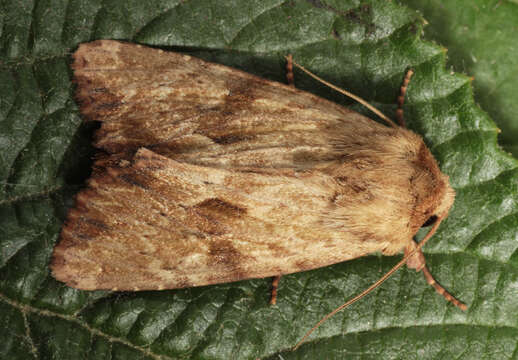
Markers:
point(275, 285)
point(401, 98)
point(418, 262)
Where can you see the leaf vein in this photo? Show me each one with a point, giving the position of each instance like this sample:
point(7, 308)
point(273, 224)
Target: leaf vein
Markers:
point(24, 308)
point(30, 196)
point(26, 324)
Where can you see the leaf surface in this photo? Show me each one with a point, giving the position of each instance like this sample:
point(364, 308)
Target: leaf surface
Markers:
point(481, 40)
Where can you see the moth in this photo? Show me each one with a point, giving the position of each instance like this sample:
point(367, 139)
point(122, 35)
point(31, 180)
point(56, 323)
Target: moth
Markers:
point(207, 175)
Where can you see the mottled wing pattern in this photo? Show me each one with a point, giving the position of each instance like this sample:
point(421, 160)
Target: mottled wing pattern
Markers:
point(203, 113)
point(157, 224)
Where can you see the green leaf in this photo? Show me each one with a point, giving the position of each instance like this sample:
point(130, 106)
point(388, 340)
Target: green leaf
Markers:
point(364, 47)
point(481, 40)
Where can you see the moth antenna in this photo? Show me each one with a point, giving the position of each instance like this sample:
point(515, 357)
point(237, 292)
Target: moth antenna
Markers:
point(346, 93)
point(401, 98)
point(375, 285)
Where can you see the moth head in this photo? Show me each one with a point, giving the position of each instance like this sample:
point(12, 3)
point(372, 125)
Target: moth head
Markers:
point(432, 191)
point(447, 197)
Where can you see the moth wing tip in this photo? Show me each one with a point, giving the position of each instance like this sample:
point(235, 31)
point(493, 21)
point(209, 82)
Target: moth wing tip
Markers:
point(61, 271)
point(59, 267)
point(64, 272)
point(88, 53)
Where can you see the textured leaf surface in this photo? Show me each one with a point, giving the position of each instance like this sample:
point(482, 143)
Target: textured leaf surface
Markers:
point(364, 47)
point(481, 40)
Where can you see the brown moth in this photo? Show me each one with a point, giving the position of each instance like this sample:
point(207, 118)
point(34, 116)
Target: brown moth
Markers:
point(210, 175)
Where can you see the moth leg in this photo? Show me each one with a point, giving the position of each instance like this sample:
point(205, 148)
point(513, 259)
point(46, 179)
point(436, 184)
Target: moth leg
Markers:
point(289, 70)
point(418, 262)
point(401, 98)
point(275, 285)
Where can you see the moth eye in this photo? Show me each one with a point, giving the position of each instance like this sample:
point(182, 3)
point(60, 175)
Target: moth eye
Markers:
point(431, 220)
